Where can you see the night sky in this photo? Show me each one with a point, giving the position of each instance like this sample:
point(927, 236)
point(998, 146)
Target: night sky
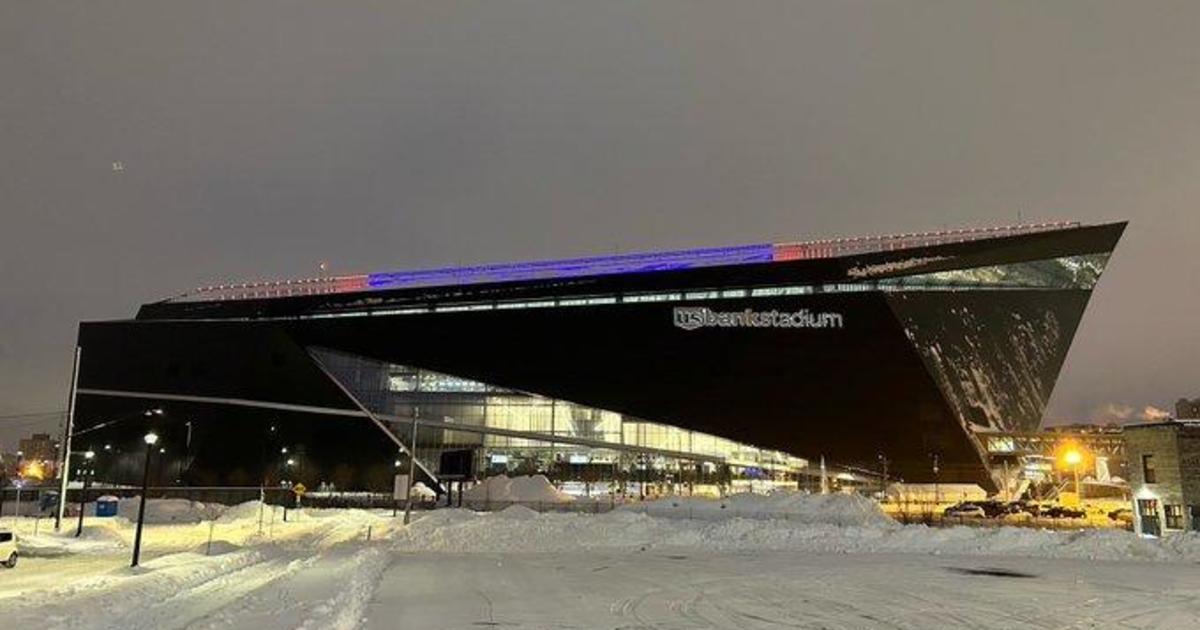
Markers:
point(260, 138)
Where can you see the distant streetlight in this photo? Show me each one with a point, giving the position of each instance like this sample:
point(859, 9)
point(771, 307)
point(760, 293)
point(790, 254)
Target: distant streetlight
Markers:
point(151, 439)
point(87, 473)
point(1073, 458)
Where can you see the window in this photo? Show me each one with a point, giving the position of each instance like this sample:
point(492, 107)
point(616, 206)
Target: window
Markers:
point(1149, 474)
point(1174, 514)
point(5, 537)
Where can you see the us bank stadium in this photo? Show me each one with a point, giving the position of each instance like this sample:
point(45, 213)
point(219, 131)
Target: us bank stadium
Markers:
point(747, 361)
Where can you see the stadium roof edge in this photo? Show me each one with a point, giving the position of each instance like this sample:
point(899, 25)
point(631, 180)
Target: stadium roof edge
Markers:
point(606, 264)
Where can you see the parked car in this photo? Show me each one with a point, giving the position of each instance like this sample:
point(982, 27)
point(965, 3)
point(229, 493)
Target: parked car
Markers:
point(964, 510)
point(1059, 511)
point(8, 549)
point(1122, 515)
point(999, 509)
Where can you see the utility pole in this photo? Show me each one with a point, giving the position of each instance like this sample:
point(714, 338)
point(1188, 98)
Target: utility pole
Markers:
point(412, 470)
point(883, 484)
point(64, 471)
point(824, 477)
point(87, 474)
point(936, 494)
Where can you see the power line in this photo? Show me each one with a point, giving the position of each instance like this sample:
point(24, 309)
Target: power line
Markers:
point(40, 414)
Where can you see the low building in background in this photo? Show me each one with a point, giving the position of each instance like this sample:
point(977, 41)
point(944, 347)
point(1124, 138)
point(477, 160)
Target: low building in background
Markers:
point(1187, 409)
point(1164, 466)
point(37, 456)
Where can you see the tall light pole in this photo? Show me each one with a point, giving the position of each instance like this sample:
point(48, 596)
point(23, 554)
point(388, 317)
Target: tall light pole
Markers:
point(412, 470)
point(1074, 458)
point(19, 482)
point(884, 461)
point(64, 469)
point(151, 439)
point(87, 473)
point(936, 468)
point(262, 485)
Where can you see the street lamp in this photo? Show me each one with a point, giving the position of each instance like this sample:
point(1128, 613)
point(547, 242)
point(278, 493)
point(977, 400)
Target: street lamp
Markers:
point(87, 472)
point(1073, 459)
point(151, 439)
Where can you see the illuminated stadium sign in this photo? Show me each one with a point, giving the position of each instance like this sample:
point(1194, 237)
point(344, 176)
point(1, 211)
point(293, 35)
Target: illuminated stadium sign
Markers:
point(693, 318)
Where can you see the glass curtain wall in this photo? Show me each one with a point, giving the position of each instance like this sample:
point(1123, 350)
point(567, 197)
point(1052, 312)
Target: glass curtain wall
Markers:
point(521, 425)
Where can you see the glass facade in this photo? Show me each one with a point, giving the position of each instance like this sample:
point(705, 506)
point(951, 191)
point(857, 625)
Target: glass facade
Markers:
point(455, 413)
point(1069, 272)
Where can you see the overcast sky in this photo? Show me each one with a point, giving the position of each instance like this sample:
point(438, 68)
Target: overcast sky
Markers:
point(259, 138)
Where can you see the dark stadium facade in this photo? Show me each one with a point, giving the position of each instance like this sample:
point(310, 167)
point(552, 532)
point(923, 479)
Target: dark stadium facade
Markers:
point(905, 348)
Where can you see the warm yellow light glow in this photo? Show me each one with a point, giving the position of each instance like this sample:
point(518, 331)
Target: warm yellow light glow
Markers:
point(1071, 455)
point(33, 469)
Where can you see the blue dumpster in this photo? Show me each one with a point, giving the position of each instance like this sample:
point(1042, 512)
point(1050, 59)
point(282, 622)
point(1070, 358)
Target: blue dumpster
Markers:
point(107, 506)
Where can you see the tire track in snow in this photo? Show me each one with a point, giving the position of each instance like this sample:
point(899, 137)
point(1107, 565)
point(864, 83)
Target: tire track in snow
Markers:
point(346, 609)
point(330, 591)
point(171, 603)
point(112, 594)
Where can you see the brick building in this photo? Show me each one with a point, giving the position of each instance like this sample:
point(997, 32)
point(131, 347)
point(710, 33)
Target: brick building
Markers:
point(1164, 475)
point(40, 447)
point(1187, 409)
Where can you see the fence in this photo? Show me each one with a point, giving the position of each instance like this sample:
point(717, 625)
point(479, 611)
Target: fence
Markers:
point(43, 501)
point(578, 506)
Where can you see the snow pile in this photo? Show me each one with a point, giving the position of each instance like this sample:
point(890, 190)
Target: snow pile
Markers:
point(503, 489)
point(790, 505)
point(248, 524)
point(809, 523)
point(519, 530)
point(93, 541)
point(518, 512)
point(422, 491)
point(166, 510)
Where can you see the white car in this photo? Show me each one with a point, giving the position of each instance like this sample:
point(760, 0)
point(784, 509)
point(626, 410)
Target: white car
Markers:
point(8, 549)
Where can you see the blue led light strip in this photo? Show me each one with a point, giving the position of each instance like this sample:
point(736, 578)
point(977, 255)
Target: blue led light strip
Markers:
point(574, 267)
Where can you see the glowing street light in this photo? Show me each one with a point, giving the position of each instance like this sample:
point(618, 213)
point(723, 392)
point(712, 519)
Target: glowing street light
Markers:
point(1072, 457)
point(88, 472)
point(151, 438)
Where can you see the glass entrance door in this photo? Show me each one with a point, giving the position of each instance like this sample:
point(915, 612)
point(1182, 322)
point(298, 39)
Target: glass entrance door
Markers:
point(1148, 515)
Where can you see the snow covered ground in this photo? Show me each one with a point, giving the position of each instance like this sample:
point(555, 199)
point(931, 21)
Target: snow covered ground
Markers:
point(828, 563)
